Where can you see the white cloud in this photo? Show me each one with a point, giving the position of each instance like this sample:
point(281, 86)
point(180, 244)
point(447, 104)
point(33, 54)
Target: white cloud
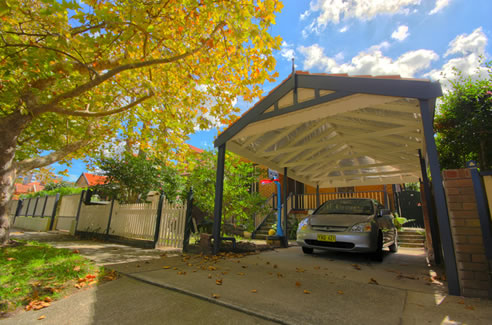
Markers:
point(470, 48)
point(369, 62)
point(287, 51)
point(440, 4)
point(333, 11)
point(474, 42)
point(343, 29)
point(400, 33)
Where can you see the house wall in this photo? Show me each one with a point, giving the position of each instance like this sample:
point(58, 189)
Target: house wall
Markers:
point(81, 182)
point(467, 234)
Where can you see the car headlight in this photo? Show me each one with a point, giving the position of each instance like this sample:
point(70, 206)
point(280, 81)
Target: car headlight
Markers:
point(304, 224)
point(361, 227)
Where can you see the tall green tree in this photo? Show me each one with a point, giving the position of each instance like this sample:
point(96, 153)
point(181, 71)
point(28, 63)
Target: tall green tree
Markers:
point(75, 73)
point(131, 177)
point(464, 121)
point(239, 203)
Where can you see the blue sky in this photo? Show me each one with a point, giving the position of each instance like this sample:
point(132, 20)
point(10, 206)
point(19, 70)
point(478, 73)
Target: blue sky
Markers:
point(411, 38)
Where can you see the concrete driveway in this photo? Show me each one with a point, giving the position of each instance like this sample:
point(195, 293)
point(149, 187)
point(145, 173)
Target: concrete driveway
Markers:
point(282, 286)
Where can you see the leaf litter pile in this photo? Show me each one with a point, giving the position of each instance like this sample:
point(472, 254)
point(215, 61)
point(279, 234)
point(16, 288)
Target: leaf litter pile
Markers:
point(33, 275)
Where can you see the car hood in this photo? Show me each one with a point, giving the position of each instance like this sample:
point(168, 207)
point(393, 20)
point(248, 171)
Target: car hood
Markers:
point(339, 219)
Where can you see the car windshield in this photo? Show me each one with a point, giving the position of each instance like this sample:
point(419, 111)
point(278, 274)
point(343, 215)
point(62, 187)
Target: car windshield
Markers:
point(347, 206)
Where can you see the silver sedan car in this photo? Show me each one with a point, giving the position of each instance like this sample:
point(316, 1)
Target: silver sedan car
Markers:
point(351, 225)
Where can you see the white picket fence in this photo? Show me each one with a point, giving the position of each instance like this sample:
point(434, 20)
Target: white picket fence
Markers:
point(136, 221)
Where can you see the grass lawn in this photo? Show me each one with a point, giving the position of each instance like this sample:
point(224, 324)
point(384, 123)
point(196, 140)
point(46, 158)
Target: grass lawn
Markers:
point(33, 274)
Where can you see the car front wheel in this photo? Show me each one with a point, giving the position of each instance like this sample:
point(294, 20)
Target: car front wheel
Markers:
point(307, 250)
point(394, 247)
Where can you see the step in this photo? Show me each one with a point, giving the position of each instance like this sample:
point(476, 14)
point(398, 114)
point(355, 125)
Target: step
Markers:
point(412, 245)
point(411, 237)
point(261, 237)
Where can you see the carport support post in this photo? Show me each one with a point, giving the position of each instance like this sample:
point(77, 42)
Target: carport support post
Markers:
point(440, 200)
point(286, 184)
point(318, 200)
point(219, 192)
point(435, 240)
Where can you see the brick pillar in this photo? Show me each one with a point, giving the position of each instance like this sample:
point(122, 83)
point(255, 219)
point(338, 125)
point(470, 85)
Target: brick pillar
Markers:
point(467, 234)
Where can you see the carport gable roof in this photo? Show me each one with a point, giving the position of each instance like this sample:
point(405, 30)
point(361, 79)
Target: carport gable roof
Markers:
point(336, 130)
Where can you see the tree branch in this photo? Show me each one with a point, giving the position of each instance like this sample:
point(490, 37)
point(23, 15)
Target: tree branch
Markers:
point(130, 66)
point(32, 163)
point(99, 114)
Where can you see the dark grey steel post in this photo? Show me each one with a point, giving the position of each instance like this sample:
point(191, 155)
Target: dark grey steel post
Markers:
point(17, 210)
point(44, 206)
point(53, 213)
point(78, 211)
point(188, 221)
point(219, 193)
point(109, 219)
point(385, 189)
point(484, 216)
point(318, 200)
point(28, 205)
point(436, 243)
point(35, 206)
point(286, 189)
point(440, 200)
point(158, 220)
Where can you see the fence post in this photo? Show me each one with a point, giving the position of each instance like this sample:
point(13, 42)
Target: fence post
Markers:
point(109, 219)
point(28, 205)
point(53, 213)
point(78, 211)
point(44, 206)
point(187, 230)
point(18, 210)
point(35, 207)
point(158, 220)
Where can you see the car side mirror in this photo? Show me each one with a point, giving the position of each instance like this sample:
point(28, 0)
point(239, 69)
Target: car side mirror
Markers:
point(310, 212)
point(384, 212)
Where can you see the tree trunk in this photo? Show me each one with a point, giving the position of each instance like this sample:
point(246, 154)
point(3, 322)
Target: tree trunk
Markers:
point(10, 128)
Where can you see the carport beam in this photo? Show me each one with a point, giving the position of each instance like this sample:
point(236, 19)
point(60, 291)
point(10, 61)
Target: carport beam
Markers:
point(441, 207)
point(219, 192)
point(318, 200)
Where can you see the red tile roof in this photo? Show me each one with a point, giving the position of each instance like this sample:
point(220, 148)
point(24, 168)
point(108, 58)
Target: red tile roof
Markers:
point(94, 179)
point(28, 188)
point(195, 149)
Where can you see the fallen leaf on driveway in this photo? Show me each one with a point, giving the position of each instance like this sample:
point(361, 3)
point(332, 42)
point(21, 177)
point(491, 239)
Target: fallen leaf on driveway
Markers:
point(210, 276)
point(48, 299)
point(298, 284)
point(240, 273)
point(299, 270)
point(216, 296)
point(356, 266)
point(212, 268)
point(307, 292)
point(316, 267)
point(340, 292)
point(461, 302)
point(470, 307)
point(41, 317)
point(280, 275)
point(175, 268)
point(253, 291)
point(275, 266)
point(373, 281)
point(244, 266)
point(268, 262)
point(182, 273)
point(218, 282)
point(166, 267)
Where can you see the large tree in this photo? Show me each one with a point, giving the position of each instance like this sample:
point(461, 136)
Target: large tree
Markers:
point(464, 121)
point(74, 74)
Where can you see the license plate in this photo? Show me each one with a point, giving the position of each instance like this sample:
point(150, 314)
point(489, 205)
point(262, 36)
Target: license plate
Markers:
point(330, 238)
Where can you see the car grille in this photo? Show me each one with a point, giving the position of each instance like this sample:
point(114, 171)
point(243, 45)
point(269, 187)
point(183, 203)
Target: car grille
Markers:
point(329, 228)
point(337, 244)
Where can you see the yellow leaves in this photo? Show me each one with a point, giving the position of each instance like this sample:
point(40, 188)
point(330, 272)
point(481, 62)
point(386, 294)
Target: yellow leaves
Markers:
point(340, 292)
point(215, 296)
point(41, 317)
point(167, 267)
point(356, 266)
point(307, 292)
point(373, 281)
point(298, 284)
point(218, 282)
point(254, 291)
